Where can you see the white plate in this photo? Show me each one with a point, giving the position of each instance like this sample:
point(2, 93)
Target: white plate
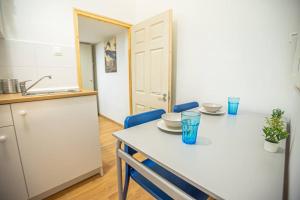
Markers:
point(161, 125)
point(219, 112)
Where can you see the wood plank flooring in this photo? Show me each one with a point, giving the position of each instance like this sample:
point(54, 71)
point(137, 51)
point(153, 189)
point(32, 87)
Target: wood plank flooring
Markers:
point(97, 188)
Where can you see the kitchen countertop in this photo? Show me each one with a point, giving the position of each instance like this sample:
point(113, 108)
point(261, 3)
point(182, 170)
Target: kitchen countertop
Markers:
point(18, 98)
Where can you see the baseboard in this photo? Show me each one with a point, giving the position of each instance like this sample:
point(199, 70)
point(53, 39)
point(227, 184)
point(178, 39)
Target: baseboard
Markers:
point(111, 120)
point(68, 184)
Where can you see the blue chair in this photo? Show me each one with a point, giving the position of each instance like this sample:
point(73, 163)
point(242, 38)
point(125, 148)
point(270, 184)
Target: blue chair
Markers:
point(186, 106)
point(130, 172)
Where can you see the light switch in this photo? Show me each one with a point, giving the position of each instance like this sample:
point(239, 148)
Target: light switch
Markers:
point(57, 51)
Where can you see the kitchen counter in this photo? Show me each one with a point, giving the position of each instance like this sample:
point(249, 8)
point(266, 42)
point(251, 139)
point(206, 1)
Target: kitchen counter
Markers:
point(18, 98)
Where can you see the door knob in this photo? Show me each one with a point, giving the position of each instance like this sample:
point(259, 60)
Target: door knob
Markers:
point(3, 139)
point(164, 97)
point(23, 112)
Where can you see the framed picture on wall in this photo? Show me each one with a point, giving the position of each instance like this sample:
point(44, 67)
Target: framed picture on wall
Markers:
point(110, 55)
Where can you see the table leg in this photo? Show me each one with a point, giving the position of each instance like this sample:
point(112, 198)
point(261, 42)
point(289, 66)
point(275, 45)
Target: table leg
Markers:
point(119, 171)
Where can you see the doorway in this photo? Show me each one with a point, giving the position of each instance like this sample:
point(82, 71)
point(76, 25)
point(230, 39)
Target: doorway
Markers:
point(103, 59)
point(150, 75)
point(88, 69)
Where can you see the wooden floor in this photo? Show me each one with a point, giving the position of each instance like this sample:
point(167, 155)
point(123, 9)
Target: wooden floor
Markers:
point(105, 187)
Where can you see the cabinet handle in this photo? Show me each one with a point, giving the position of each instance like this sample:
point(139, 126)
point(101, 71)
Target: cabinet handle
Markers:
point(23, 112)
point(2, 139)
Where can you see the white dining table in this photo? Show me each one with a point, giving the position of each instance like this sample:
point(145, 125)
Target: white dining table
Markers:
point(228, 160)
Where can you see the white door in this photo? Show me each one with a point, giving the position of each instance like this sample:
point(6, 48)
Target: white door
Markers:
point(86, 62)
point(151, 46)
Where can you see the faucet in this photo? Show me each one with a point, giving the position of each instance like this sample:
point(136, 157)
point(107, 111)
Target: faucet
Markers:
point(23, 88)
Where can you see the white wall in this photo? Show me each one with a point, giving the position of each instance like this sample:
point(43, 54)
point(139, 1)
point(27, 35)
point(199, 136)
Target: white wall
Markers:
point(231, 48)
point(34, 28)
point(29, 61)
point(113, 87)
point(236, 48)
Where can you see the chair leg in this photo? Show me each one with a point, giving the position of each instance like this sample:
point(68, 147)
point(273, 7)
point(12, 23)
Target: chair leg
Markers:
point(126, 182)
point(126, 185)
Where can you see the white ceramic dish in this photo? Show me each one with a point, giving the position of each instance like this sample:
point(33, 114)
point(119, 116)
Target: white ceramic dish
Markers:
point(172, 120)
point(161, 125)
point(219, 112)
point(212, 107)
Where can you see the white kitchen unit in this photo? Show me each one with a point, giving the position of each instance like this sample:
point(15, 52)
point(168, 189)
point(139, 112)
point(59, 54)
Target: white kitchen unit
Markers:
point(12, 183)
point(58, 141)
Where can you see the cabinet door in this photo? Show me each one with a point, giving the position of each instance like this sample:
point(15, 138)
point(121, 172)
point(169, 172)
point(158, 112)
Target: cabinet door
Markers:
point(12, 183)
point(58, 140)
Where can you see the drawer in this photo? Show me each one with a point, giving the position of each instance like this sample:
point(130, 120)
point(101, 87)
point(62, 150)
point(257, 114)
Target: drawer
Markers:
point(5, 116)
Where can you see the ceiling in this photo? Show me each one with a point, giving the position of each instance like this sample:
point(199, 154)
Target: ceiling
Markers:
point(94, 31)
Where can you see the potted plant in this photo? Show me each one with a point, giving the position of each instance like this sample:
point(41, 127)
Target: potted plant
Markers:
point(274, 131)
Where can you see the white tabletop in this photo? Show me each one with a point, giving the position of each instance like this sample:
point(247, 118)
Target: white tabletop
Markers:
point(228, 161)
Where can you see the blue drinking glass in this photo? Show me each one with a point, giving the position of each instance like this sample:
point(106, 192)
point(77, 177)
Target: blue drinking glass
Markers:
point(190, 121)
point(233, 105)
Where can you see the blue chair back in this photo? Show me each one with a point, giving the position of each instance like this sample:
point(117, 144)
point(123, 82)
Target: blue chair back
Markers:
point(138, 119)
point(142, 118)
point(186, 106)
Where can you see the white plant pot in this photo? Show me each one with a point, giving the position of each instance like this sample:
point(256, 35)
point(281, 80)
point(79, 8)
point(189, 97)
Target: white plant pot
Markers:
point(271, 147)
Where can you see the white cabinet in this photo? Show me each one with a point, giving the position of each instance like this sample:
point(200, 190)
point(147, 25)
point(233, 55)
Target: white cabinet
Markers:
point(58, 141)
point(12, 183)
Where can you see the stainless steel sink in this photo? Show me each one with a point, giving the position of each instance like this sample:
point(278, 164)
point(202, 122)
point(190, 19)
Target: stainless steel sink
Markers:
point(29, 91)
point(46, 92)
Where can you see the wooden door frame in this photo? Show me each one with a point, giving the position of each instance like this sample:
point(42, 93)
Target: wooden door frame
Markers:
point(76, 14)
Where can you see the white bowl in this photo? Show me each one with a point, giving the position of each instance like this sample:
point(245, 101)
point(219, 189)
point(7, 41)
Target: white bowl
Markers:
point(172, 120)
point(212, 107)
